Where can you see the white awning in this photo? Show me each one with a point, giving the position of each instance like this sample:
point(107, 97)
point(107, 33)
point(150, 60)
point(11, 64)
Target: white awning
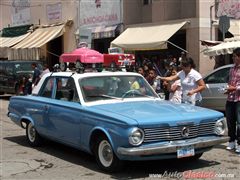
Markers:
point(11, 41)
point(148, 37)
point(226, 47)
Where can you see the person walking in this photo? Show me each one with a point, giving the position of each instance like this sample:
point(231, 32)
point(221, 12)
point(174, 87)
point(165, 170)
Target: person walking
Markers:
point(191, 82)
point(233, 104)
point(36, 75)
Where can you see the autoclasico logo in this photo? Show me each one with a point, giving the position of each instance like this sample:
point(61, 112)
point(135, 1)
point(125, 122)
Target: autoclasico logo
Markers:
point(191, 175)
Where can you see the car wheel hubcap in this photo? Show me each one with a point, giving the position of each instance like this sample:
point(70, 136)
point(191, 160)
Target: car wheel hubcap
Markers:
point(105, 153)
point(31, 132)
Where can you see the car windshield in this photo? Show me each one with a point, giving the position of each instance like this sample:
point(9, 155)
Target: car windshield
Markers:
point(115, 87)
point(24, 67)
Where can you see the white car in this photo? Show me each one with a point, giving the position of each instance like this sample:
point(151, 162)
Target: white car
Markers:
point(216, 81)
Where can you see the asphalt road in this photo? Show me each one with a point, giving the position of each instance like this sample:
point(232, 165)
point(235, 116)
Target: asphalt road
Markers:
point(56, 161)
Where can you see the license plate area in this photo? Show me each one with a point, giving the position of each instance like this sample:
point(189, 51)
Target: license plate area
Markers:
point(185, 151)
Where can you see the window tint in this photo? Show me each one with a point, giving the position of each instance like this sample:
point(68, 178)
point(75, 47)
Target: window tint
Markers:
point(2, 69)
point(9, 69)
point(113, 87)
point(21, 66)
point(48, 88)
point(220, 76)
point(66, 89)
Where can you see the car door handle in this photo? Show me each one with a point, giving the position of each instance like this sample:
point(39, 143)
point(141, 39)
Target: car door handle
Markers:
point(46, 108)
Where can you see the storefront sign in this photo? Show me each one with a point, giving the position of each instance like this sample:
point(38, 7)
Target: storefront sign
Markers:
point(20, 12)
point(230, 8)
point(99, 12)
point(54, 11)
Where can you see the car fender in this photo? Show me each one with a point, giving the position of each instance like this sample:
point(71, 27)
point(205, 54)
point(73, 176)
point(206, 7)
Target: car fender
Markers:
point(25, 119)
point(103, 130)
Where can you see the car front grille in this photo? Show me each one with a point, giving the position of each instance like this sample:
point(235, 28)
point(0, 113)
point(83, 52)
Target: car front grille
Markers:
point(175, 132)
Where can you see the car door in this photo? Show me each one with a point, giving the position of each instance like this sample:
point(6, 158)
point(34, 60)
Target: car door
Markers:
point(42, 107)
point(9, 80)
point(213, 97)
point(65, 112)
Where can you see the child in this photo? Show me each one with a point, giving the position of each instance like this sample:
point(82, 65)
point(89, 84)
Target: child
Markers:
point(174, 87)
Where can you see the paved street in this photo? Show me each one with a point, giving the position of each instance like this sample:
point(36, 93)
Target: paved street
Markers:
point(55, 161)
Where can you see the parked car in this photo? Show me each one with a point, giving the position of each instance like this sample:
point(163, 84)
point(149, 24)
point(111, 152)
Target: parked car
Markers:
point(213, 96)
point(13, 73)
point(115, 116)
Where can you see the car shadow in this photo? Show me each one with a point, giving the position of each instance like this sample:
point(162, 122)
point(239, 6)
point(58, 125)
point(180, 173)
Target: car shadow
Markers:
point(132, 170)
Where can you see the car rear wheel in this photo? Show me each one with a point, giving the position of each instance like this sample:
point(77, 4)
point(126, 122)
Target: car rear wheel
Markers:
point(105, 156)
point(34, 139)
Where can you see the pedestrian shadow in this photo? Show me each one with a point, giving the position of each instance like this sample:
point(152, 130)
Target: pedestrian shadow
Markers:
point(132, 170)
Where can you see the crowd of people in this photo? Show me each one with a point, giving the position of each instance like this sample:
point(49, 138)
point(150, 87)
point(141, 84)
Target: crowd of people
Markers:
point(179, 81)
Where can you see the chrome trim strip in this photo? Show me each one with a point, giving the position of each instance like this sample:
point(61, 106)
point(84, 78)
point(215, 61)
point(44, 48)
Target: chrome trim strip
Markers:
point(172, 146)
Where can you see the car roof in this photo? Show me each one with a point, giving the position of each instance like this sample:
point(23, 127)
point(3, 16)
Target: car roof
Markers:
point(77, 76)
point(93, 74)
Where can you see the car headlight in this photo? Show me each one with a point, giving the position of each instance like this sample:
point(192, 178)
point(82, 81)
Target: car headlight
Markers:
point(136, 137)
point(220, 126)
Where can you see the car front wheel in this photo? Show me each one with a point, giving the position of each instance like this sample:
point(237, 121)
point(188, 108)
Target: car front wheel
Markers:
point(105, 156)
point(34, 139)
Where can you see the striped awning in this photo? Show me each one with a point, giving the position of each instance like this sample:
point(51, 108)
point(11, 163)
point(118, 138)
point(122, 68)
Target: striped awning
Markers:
point(103, 32)
point(41, 36)
point(11, 41)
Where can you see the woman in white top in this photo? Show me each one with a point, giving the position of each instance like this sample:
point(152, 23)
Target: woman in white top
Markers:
point(191, 82)
point(174, 88)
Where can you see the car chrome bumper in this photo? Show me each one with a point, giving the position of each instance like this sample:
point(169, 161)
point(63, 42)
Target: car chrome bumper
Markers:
point(172, 146)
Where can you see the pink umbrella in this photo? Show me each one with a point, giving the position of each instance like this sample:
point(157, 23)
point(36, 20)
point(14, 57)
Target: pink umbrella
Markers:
point(84, 55)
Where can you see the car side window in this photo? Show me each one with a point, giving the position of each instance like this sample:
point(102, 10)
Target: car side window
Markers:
point(48, 88)
point(1, 69)
point(220, 76)
point(66, 89)
point(10, 69)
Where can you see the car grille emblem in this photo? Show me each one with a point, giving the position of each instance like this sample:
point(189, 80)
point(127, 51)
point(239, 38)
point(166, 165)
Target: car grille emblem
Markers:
point(185, 132)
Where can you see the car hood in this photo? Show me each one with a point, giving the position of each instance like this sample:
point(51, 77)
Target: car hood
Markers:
point(155, 111)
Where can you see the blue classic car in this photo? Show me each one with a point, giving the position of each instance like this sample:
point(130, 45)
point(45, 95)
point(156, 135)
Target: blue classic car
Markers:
point(115, 116)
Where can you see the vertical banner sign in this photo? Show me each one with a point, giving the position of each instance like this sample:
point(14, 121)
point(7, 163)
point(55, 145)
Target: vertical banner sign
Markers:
point(99, 13)
point(229, 8)
point(54, 12)
point(20, 12)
